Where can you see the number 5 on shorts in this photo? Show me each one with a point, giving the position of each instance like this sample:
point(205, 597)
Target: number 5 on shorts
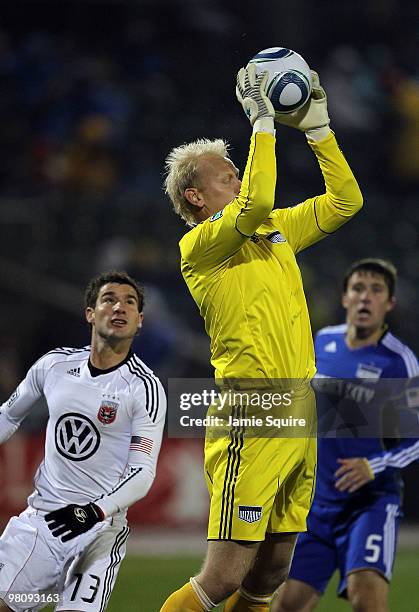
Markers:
point(373, 546)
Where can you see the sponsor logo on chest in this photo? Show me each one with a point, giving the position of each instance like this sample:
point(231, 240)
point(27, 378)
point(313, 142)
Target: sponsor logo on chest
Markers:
point(76, 436)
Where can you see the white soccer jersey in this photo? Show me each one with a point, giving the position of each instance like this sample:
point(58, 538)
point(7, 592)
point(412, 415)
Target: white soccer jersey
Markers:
point(104, 430)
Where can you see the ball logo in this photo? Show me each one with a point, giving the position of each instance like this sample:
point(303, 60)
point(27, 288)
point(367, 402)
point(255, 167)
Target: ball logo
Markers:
point(76, 437)
point(80, 514)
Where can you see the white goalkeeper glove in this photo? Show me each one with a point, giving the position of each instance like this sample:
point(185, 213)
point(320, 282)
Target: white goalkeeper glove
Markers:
point(251, 93)
point(312, 118)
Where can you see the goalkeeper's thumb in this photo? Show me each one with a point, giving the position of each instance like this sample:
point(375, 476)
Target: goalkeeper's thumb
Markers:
point(319, 110)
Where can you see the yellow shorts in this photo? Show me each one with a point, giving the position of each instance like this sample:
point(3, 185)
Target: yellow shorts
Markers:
point(259, 485)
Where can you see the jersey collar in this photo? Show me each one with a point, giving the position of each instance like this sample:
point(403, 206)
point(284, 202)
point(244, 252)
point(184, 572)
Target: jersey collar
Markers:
point(97, 372)
point(385, 331)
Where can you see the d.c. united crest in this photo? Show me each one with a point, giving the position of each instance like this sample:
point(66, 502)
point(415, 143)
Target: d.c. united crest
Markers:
point(107, 412)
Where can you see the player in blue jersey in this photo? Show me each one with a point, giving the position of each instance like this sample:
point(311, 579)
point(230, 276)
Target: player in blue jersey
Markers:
point(352, 525)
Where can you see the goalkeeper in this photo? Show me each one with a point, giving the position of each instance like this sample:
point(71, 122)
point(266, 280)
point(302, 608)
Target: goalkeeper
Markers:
point(238, 262)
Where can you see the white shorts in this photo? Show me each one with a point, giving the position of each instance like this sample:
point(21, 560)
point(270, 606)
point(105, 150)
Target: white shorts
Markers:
point(37, 569)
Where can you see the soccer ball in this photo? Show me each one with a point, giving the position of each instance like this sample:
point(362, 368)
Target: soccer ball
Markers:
point(289, 80)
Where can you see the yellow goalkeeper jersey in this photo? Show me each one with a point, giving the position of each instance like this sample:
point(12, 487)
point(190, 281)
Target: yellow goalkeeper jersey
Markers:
point(241, 270)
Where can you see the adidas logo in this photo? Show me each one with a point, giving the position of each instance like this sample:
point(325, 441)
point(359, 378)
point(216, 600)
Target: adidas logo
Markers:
point(331, 347)
point(74, 371)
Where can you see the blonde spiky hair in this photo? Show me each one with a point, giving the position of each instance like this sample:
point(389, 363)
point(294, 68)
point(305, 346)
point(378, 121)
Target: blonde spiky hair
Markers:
point(182, 172)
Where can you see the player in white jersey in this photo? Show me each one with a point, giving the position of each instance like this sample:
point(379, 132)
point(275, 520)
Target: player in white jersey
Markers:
point(106, 420)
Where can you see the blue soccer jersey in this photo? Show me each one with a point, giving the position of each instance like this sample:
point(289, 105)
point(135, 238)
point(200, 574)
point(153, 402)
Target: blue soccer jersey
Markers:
point(365, 367)
point(358, 531)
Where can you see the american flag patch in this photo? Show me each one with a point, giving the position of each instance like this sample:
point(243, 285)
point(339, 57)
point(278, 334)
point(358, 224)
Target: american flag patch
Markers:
point(143, 445)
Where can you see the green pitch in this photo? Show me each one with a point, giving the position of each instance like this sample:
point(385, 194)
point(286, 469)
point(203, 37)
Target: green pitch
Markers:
point(144, 583)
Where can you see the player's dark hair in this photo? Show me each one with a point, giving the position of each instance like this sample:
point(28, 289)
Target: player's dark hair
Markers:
point(112, 276)
point(377, 266)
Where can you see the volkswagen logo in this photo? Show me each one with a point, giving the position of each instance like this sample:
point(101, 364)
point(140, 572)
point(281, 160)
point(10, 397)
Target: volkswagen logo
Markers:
point(76, 437)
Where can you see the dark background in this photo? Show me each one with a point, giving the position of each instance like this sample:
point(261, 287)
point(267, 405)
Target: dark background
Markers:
point(93, 95)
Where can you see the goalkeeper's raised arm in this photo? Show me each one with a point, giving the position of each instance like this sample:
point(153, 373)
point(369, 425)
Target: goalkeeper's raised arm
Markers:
point(204, 186)
point(321, 215)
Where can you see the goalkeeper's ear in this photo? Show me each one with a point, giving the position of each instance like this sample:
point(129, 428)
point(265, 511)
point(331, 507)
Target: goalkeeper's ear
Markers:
point(193, 197)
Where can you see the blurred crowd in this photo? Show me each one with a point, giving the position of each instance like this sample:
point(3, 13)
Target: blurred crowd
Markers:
point(94, 94)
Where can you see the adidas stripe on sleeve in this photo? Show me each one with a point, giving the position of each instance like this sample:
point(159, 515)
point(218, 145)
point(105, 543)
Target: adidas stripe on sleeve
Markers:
point(398, 457)
point(407, 451)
